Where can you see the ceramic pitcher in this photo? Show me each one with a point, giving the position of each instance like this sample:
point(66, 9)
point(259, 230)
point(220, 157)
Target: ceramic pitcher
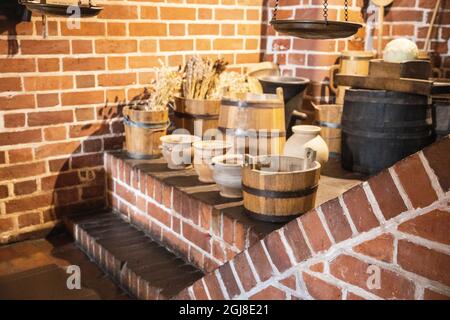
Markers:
point(307, 137)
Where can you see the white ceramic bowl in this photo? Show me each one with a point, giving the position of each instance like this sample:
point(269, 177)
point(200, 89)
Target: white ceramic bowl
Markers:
point(227, 174)
point(204, 151)
point(177, 150)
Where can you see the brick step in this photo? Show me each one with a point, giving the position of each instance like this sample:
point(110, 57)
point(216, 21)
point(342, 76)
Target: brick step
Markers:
point(141, 265)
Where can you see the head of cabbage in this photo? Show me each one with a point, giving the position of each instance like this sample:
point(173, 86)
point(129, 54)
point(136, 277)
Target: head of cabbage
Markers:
point(400, 50)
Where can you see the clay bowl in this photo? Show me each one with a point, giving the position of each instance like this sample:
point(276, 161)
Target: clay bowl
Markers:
point(227, 174)
point(204, 151)
point(177, 150)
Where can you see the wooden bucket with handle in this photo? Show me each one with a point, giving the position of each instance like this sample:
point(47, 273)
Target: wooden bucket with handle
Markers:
point(279, 188)
point(143, 130)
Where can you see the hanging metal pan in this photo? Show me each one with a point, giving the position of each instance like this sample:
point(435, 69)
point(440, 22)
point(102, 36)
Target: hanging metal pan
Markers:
point(316, 29)
point(60, 10)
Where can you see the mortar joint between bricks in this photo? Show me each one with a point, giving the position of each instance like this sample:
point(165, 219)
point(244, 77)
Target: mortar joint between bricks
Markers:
point(373, 203)
point(413, 277)
point(308, 243)
point(400, 189)
point(221, 284)
point(252, 266)
point(236, 276)
point(325, 225)
point(429, 244)
point(287, 247)
point(432, 176)
point(347, 215)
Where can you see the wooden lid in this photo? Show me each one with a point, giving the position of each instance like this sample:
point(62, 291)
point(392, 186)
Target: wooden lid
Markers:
point(358, 54)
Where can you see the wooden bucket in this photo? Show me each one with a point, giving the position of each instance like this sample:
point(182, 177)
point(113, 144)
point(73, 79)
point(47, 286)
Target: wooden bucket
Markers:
point(255, 125)
point(278, 188)
point(352, 63)
point(328, 118)
point(143, 130)
point(196, 116)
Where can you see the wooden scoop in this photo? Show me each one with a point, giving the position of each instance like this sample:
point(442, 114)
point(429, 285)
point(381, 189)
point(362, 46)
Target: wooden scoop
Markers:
point(381, 4)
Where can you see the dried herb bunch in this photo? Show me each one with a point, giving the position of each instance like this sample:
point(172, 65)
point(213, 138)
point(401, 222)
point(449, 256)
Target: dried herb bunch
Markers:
point(166, 84)
point(201, 77)
point(233, 85)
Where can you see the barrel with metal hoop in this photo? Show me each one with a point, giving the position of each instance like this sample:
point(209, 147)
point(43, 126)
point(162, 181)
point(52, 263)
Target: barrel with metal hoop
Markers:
point(441, 115)
point(328, 117)
point(279, 188)
point(196, 116)
point(254, 124)
point(143, 130)
point(381, 127)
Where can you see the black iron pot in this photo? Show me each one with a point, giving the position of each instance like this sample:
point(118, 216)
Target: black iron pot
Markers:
point(293, 92)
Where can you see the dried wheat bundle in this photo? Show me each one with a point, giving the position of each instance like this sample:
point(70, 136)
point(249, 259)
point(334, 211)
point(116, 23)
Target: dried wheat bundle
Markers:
point(166, 84)
point(201, 77)
point(232, 85)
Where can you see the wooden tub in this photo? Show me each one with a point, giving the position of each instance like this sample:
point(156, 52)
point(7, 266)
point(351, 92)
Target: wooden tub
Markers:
point(278, 188)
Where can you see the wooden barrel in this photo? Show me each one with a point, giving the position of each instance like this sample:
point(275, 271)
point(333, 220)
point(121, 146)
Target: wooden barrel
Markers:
point(328, 118)
point(379, 128)
point(255, 125)
point(143, 130)
point(278, 188)
point(196, 116)
point(441, 115)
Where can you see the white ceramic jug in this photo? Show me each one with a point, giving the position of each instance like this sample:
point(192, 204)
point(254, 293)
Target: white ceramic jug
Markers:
point(307, 137)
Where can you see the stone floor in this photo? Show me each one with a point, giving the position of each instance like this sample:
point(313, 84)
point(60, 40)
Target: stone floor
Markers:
point(36, 270)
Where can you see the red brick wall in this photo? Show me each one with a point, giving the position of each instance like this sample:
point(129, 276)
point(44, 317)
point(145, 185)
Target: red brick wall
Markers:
point(60, 97)
point(311, 59)
point(396, 226)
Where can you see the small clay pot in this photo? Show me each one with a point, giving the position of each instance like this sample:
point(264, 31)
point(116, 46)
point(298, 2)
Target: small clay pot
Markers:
point(177, 150)
point(227, 173)
point(204, 151)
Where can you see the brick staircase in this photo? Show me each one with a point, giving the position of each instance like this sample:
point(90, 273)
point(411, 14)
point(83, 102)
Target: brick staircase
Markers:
point(140, 265)
point(167, 230)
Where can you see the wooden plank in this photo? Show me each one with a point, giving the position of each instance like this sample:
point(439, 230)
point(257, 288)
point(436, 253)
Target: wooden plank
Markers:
point(415, 86)
point(415, 69)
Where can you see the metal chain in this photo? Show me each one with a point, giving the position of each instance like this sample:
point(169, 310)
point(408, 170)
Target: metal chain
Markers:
point(325, 10)
point(346, 9)
point(275, 10)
